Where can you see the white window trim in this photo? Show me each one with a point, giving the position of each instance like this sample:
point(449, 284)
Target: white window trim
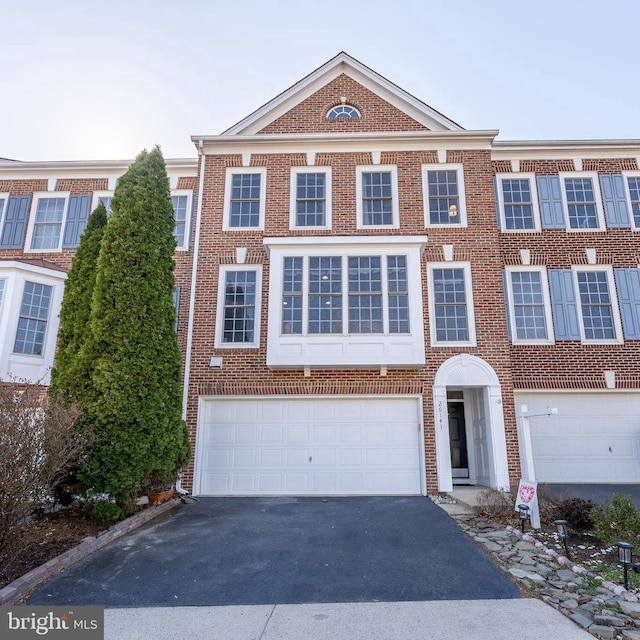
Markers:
point(548, 317)
point(468, 285)
point(596, 192)
point(395, 209)
point(4, 203)
point(27, 366)
point(613, 295)
point(535, 207)
point(462, 210)
point(295, 171)
point(625, 176)
point(95, 200)
point(231, 171)
point(219, 343)
point(37, 196)
point(188, 216)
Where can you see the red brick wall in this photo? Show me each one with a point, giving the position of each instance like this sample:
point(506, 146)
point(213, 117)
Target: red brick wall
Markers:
point(309, 116)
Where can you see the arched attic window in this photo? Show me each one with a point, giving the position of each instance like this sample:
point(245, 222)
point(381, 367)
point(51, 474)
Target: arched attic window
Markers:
point(343, 111)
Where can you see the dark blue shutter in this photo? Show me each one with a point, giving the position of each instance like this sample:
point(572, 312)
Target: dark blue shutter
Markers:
point(550, 198)
point(615, 200)
point(15, 222)
point(505, 288)
point(176, 305)
point(628, 282)
point(77, 217)
point(495, 194)
point(564, 305)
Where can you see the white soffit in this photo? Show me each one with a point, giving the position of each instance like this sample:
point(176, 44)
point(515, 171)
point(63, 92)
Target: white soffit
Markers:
point(343, 64)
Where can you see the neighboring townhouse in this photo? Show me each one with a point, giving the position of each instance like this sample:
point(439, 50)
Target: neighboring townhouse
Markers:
point(369, 293)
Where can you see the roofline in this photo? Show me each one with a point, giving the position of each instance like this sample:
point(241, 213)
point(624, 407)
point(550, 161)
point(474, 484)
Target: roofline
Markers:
point(110, 165)
point(387, 140)
point(340, 58)
point(568, 145)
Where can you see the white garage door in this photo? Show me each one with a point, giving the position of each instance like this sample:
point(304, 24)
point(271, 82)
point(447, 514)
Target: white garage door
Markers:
point(308, 446)
point(594, 438)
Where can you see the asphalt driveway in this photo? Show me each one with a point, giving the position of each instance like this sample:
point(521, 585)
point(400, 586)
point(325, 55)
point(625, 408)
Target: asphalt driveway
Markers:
point(235, 551)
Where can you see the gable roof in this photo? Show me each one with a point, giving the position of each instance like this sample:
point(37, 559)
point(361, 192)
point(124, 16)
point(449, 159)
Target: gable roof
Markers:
point(343, 63)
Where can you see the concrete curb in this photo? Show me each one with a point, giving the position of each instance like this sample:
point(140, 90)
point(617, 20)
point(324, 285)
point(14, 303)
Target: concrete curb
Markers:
point(21, 586)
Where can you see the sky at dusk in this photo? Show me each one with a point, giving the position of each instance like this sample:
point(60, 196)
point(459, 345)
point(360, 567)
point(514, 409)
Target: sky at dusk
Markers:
point(85, 80)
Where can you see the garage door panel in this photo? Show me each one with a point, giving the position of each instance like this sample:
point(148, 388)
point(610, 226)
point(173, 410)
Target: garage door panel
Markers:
point(309, 446)
point(594, 437)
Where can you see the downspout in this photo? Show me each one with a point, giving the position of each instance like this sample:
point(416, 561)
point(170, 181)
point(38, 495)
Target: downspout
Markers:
point(192, 297)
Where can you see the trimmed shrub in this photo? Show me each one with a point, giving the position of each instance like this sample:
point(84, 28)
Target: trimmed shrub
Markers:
point(576, 511)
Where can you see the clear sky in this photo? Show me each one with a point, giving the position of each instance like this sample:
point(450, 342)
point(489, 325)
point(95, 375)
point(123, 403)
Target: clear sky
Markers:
point(82, 79)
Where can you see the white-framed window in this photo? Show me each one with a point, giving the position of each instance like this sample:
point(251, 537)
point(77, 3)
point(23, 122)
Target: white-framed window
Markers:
point(343, 112)
point(529, 305)
point(1, 291)
point(239, 300)
point(244, 200)
point(598, 313)
point(345, 295)
point(377, 197)
point(518, 202)
point(182, 204)
point(582, 202)
point(444, 197)
point(345, 301)
point(632, 184)
point(57, 221)
point(451, 315)
point(102, 197)
point(310, 198)
point(32, 322)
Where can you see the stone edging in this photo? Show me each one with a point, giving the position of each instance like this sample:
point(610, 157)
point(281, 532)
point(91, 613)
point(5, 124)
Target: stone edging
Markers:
point(22, 585)
point(563, 560)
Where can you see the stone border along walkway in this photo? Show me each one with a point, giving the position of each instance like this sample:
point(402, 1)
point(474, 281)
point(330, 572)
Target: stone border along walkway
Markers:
point(23, 585)
point(612, 612)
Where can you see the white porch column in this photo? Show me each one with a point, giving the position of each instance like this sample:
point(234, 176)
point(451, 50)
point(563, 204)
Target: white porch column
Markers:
point(499, 462)
point(443, 448)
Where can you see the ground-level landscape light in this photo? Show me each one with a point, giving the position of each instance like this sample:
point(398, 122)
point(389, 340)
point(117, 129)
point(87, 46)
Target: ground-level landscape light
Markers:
point(523, 512)
point(563, 532)
point(625, 558)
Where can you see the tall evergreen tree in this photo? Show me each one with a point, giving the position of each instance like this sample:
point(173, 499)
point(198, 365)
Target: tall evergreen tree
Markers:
point(134, 403)
point(70, 374)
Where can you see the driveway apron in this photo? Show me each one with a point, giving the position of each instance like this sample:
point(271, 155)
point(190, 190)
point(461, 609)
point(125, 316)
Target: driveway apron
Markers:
point(238, 551)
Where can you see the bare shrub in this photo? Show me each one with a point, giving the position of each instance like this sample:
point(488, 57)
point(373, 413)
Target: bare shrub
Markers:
point(499, 506)
point(38, 446)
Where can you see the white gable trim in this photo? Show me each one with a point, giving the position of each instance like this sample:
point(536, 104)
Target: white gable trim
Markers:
point(343, 63)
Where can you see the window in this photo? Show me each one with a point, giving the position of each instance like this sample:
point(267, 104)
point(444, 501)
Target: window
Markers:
point(102, 197)
point(374, 289)
point(310, 197)
point(528, 305)
point(245, 198)
point(238, 306)
point(633, 182)
point(451, 305)
point(1, 292)
point(377, 194)
point(582, 203)
point(596, 307)
point(181, 208)
point(57, 221)
point(518, 203)
point(32, 322)
point(444, 202)
point(343, 111)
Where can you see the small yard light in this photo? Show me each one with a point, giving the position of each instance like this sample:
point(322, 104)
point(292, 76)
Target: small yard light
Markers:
point(625, 558)
point(523, 512)
point(561, 526)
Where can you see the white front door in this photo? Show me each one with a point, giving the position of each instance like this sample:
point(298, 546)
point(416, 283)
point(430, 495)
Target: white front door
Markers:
point(309, 446)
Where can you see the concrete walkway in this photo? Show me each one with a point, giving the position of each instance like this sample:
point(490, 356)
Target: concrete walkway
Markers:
point(523, 619)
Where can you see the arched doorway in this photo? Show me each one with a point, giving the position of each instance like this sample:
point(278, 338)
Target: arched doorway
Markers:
point(470, 387)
